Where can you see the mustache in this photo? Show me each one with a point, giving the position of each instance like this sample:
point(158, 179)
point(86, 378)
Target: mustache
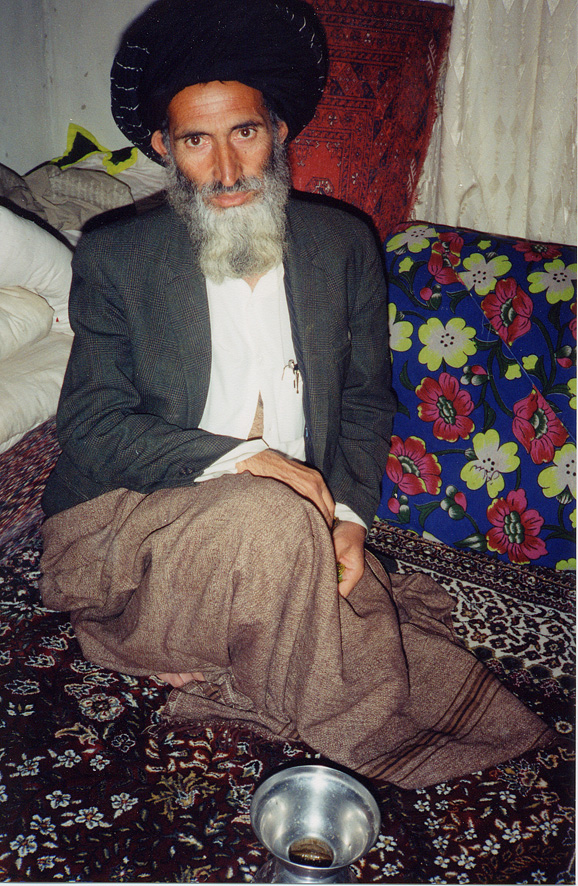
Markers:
point(244, 184)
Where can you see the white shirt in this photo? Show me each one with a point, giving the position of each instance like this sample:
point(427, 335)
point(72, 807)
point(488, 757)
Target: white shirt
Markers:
point(252, 355)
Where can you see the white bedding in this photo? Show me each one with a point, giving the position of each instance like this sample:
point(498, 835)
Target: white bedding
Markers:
point(25, 318)
point(35, 273)
point(31, 257)
point(30, 382)
point(35, 278)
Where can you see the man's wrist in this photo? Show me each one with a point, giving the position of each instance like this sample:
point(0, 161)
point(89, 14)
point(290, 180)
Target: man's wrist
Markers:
point(343, 513)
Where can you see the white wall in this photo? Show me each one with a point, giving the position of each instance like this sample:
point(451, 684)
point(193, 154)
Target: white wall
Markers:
point(55, 59)
point(24, 112)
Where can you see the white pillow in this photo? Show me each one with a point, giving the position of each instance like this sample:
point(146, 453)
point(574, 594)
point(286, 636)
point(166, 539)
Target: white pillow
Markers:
point(24, 318)
point(30, 383)
point(33, 258)
point(144, 177)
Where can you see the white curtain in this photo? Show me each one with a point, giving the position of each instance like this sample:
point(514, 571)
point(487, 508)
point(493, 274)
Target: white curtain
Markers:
point(503, 153)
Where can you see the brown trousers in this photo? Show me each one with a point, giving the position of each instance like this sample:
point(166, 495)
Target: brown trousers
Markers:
point(236, 578)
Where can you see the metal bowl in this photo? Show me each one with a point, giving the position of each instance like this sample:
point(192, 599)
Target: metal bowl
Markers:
point(315, 819)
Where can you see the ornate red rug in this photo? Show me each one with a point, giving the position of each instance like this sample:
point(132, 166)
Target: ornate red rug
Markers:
point(90, 790)
point(367, 143)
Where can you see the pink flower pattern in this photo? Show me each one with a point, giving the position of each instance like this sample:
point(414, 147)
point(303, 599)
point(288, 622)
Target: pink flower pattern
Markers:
point(515, 528)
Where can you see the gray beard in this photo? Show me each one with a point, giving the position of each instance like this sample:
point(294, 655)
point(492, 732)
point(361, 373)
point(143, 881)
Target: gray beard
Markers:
point(240, 241)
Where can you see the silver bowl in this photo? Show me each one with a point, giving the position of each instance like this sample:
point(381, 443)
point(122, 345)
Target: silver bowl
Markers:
point(316, 821)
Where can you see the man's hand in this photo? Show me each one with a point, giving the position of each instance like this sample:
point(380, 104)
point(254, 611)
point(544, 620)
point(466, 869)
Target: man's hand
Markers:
point(348, 541)
point(306, 481)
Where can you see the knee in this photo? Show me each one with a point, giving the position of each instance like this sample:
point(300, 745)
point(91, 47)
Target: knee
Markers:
point(273, 503)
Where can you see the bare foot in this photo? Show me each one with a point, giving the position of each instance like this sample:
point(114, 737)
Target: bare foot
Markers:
point(179, 680)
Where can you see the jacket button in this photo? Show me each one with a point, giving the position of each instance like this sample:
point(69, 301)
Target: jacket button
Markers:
point(185, 470)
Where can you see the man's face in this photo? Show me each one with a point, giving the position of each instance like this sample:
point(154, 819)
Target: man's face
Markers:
point(227, 178)
point(220, 133)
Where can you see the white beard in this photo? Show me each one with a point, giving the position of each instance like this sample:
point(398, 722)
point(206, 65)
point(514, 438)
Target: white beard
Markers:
point(240, 241)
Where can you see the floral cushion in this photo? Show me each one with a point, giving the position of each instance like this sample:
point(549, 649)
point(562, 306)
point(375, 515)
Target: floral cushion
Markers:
point(483, 336)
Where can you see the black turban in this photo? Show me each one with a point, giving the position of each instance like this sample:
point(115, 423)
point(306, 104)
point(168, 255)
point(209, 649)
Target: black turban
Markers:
point(275, 46)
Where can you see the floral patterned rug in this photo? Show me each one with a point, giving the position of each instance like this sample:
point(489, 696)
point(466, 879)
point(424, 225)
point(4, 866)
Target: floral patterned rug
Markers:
point(90, 790)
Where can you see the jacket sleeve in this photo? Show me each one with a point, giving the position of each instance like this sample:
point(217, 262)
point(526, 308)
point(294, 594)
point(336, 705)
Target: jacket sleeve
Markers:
point(368, 403)
point(120, 417)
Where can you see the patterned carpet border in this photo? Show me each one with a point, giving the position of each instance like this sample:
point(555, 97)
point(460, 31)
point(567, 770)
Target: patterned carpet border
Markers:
point(439, 560)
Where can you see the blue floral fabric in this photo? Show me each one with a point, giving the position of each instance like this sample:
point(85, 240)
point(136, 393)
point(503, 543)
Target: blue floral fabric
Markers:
point(483, 340)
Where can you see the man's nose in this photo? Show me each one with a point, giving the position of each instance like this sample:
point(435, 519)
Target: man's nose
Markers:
point(227, 166)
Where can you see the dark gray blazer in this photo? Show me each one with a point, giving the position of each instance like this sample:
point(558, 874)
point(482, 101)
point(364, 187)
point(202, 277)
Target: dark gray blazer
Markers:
point(138, 375)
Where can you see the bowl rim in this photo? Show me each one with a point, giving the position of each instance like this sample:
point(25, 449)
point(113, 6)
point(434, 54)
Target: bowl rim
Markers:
point(291, 771)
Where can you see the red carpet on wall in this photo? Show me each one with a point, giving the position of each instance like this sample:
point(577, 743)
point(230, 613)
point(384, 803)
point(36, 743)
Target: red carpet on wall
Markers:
point(368, 140)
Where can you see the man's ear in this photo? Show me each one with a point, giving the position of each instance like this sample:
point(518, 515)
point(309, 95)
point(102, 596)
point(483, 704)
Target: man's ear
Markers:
point(282, 131)
point(158, 143)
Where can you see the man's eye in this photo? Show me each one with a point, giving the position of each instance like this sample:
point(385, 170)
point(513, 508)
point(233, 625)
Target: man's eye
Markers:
point(194, 141)
point(247, 132)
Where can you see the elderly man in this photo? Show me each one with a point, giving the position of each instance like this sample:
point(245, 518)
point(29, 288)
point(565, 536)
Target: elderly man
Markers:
point(224, 425)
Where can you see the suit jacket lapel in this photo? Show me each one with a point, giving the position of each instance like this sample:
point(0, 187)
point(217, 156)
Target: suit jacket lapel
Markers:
point(305, 282)
point(185, 299)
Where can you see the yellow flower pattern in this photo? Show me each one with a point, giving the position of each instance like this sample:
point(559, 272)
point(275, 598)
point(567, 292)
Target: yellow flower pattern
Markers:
point(416, 238)
point(481, 273)
point(560, 477)
point(557, 279)
point(452, 343)
point(513, 371)
point(492, 461)
point(400, 331)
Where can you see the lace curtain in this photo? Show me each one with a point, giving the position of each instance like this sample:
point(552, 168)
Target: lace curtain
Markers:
point(503, 153)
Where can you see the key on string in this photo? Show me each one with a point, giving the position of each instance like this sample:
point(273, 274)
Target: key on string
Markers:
point(292, 365)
